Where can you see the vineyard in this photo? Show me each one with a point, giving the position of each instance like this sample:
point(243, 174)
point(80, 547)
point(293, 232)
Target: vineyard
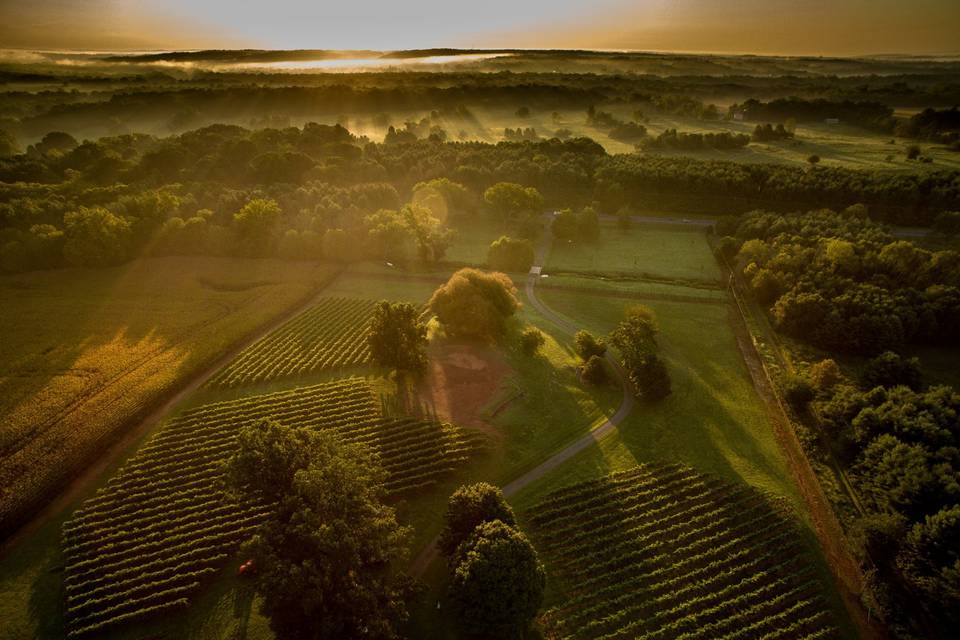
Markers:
point(663, 552)
point(163, 524)
point(330, 334)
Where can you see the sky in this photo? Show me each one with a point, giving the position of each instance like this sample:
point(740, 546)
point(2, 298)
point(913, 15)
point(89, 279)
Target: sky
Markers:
point(815, 27)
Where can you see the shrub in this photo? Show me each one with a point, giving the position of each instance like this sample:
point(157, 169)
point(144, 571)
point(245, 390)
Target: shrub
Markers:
point(510, 254)
point(586, 345)
point(531, 340)
point(594, 370)
point(824, 375)
point(890, 370)
point(797, 391)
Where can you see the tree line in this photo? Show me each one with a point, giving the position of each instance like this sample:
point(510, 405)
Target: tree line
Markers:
point(104, 201)
point(841, 282)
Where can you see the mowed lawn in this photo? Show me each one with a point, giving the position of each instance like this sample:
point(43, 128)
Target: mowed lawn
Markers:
point(653, 250)
point(85, 351)
point(713, 420)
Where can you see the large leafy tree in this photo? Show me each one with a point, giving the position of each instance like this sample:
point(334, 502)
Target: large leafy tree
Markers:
point(635, 339)
point(469, 507)
point(497, 583)
point(475, 303)
point(256, 225)
point(397, 337)
point(931, 560)
point(325, 560)
point(509, 200)
point(95, 237)
point(511, 254)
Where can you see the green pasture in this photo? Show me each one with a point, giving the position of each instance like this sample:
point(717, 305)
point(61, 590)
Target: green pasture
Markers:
point(662, 251)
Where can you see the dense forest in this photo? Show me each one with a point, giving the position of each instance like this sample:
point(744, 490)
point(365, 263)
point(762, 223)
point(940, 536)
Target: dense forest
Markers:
point(122, 195)
point(841, 282)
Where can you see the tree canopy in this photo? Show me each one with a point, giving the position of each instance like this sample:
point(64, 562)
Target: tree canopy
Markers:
point(475, 303)
point(635, 339)
point(468, 507)
point(497, 583)
point(326, 560)
point(397, 337)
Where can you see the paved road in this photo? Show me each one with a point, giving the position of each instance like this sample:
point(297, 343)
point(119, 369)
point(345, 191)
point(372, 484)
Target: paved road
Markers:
point(609, 426)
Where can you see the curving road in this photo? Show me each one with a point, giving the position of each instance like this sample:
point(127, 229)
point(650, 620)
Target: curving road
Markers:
point(609, 426)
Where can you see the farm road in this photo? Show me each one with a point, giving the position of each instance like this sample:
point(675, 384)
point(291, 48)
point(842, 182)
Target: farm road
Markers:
point(129, 437)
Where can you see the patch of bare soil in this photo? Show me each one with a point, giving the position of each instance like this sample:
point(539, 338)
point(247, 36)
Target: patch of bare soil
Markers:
point(460, 381)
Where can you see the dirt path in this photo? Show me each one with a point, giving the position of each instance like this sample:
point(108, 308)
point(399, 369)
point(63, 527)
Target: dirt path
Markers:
point(845, 569)
point(609, 426)
point(119, 447)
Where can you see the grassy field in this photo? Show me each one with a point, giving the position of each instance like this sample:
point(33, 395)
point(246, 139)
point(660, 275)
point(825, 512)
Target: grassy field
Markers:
point(660, 251)
point(85, 351)
point(712, 421)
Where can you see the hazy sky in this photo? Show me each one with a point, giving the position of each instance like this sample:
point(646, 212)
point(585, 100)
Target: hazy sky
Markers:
point(759, 26)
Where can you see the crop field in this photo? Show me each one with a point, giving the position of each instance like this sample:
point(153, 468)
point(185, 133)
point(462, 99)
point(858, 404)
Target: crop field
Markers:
point(330, 334)
point(662, 551)
point(658, 251)
point(162, 525)
point(86, 351)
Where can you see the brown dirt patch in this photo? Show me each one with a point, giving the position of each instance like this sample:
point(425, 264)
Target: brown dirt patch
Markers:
point(460, 381)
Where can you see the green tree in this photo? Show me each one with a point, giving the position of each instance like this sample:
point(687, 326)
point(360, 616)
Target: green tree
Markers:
point(444, 198)
point(765, 286)
point(594, 370)
point(255, 224)
point(397, 337)
point(95, 237)
point(498, 582)
point(509, 200)
point(326, 559)
point(824, 375)
point(8, 144)
point(469, 507)
point(510, 254)
point(587, 346)
point(890, 369)
point(531, 340)
point(797, 391)
point(931, 560)
point(635, 339)
point(475, 303)
point(56, 141)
